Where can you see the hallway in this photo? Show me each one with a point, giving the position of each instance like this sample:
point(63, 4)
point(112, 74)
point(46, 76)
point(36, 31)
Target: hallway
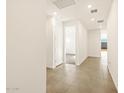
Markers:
point(92, 76)
point(54, 46)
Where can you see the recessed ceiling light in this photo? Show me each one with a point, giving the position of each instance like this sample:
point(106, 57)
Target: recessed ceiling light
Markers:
point(92, 19)
point(89, 6)
point(54, 13)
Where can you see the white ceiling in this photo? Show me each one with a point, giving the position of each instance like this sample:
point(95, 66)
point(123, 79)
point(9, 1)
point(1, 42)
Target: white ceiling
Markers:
point(80, 11)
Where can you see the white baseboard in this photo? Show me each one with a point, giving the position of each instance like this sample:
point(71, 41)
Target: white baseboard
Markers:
point(112, 77)
point(79, 63)
point(94, 55)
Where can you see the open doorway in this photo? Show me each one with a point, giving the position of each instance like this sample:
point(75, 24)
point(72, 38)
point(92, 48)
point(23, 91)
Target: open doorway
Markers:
point(104, 46)
point(70, 44)
point(104, 41)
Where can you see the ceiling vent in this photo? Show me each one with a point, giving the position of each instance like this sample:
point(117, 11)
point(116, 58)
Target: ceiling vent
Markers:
point(94, 11)
point(100, 21)
point(63, 3)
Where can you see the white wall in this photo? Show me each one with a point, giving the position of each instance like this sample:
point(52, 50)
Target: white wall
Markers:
point(94, 45)
point(112, 30)
point(55, 41)
point(82, 45)
point(26, 46)
point(50, 50)
point(103, 31)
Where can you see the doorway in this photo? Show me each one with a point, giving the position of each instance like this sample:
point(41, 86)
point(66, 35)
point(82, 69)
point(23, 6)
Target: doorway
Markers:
point(104, 47)
point(103, 41)
point(70, 44)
